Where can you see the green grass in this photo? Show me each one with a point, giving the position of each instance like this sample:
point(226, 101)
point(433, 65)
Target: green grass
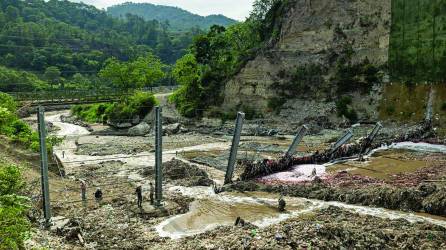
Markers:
point(139, 104)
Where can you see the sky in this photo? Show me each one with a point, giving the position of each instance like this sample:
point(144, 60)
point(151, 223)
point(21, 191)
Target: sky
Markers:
point(236, 9)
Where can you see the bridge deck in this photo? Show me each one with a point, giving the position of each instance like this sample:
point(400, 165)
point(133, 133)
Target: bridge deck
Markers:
point(66, 97)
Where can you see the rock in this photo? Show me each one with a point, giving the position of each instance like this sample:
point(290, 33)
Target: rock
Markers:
point(140, 129)
point(136, 119)
point(122, 125)
point(59, 223)
point(172, 128)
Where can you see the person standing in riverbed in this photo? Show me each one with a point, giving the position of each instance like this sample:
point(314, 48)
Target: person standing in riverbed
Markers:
point(139, 196)
point(282, 204)
point(98, 195)
point(84, 192)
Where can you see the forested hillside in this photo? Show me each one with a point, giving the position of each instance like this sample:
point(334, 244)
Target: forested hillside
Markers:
point(178, 19)
point(418, 41)
point(60, 39)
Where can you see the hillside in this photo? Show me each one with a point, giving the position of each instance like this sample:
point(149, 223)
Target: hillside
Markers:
point(78, 38)
point(178, 19)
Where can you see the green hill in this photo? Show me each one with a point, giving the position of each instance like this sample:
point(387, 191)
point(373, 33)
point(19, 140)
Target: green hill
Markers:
point(76, 39)
point(178, 19)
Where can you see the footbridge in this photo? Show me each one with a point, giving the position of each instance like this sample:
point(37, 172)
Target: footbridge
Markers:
point(68, 97)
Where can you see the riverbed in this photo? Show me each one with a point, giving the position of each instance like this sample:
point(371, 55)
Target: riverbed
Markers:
point(209, 210)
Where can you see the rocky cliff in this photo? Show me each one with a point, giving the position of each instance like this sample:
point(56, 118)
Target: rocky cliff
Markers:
point(316, 34)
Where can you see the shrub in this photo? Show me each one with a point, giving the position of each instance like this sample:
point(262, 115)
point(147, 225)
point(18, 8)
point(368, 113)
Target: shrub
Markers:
point(6, 101)
point(251, 113)
point(344, 109)
point(139, 104)
point(16, 129)
point(14, 227)
point(92, 113)
point(275, 103)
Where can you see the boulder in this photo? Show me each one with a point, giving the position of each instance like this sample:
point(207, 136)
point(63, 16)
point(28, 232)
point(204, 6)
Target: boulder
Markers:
point(136, 120)
point(172, 128)
point(120, 125)
point(140, 129)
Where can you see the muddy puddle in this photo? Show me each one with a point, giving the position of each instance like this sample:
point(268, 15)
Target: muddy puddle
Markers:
point(384, 162)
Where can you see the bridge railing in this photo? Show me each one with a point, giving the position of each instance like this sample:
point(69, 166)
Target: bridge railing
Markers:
point(73, 96)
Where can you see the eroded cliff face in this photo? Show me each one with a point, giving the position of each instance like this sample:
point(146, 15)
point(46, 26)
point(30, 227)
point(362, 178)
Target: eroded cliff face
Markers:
point(314, 32)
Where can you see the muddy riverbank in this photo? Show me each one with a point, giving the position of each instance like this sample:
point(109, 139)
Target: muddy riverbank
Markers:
point(329, 228)
point(193, 215)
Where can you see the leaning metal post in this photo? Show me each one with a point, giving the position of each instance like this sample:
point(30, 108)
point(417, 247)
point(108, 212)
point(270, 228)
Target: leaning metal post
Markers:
point(234, 147)
point(300, 135)
point(158, 157)
point(344, 139)
point(44, 166)
point(370, 138)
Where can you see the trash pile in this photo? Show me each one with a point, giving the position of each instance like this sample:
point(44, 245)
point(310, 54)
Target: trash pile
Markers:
point(181, 173)
point(255, 169)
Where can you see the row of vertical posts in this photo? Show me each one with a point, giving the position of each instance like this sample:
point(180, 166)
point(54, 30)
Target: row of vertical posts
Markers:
point(44, 162)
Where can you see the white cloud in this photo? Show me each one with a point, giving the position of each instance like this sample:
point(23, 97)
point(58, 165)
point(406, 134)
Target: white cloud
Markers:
point(237, 9)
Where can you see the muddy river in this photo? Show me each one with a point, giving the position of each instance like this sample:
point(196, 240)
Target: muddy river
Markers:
point(210, 210)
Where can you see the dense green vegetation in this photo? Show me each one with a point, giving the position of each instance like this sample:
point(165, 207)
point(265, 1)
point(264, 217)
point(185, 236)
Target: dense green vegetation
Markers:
point(137, 105)
point(17, 130)
point(418, 41)
point(17, 80)
point(139, 73)
point(216, 56)
point(14, 226)
point(177, 19)
point(67, 44)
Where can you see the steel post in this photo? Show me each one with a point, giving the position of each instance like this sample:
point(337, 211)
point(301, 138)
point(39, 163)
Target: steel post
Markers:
point(158, 156)
point(44, 165)
point(234, 147)
point(300, 135)
point(344, 139)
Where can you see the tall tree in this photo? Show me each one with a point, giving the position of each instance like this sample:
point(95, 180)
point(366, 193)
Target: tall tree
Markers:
point(52, 75)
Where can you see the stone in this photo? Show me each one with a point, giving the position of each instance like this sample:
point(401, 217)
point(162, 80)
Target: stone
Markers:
point(136, 119)
point(123, 125)
point(172, 128)
point(140, 129)
point(58, 223)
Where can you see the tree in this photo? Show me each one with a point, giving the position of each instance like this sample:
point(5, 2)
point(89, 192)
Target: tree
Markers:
point(142, 72)
point(145, 71)
point(188, 98)
point(12, 13)
point(52, 75)
point(117, 73)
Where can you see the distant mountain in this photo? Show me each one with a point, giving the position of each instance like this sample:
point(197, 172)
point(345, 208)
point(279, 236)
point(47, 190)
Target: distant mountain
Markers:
point(179, 19)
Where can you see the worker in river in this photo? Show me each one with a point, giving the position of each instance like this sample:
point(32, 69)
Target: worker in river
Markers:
point(282, 204)
point(98, 195)
point(83, 191)
point(139, 196)
point(313, 173)
point(152, 200)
